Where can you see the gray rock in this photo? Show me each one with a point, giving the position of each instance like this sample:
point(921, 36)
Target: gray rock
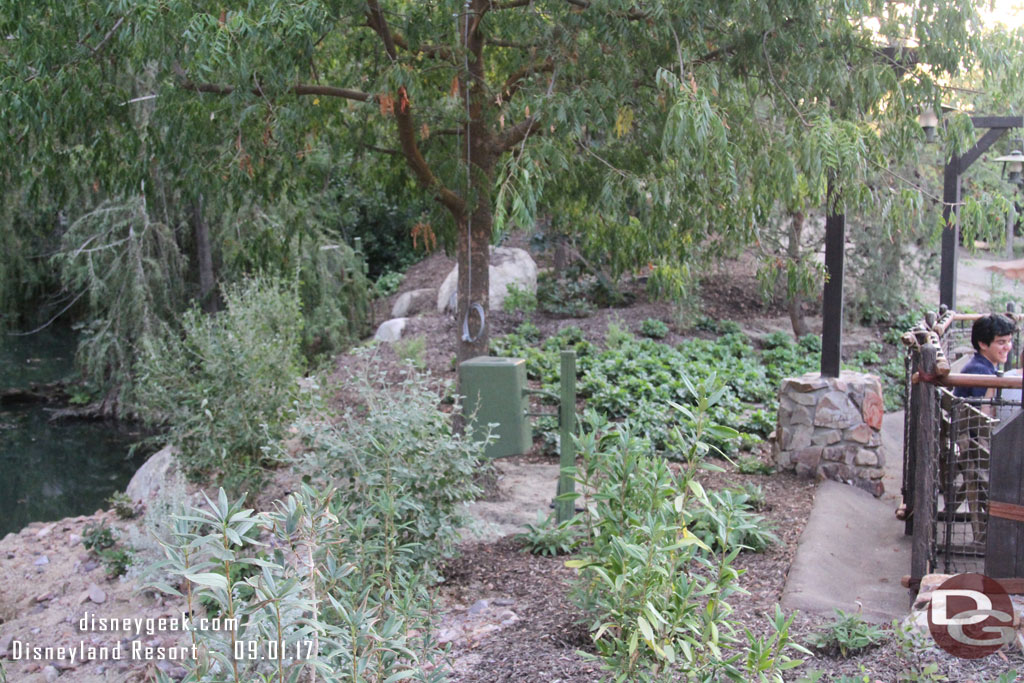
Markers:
point(413, 302)
point(508, 266)
point(837, 411)
point(96, 594)
point(826, 437)
point(812, 381)
point(391, 330)
point(155, 475)
point(41, 560)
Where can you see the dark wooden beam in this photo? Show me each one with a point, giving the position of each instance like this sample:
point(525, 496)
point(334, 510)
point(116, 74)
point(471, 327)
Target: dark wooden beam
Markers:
point(974, 153)
point(950, 233)
point(998, 121)
point(957, 166)
point(832, 306)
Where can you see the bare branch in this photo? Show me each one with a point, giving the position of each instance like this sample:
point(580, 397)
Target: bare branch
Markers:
point(300, 89)
point(108, 36)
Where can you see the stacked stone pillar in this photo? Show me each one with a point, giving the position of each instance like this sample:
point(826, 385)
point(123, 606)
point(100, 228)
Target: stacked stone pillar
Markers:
point(831, 428)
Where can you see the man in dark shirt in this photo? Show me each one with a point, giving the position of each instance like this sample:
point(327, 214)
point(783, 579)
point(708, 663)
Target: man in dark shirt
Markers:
point(992, 339)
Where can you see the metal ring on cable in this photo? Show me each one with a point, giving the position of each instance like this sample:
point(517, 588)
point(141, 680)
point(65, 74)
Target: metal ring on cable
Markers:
point(465, 323)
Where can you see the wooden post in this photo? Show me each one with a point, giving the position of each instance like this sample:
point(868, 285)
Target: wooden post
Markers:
point(910, 449)
point(997, 125)
point(950, 232)
point(832, 305)
point(567, 427)
point(926, 431)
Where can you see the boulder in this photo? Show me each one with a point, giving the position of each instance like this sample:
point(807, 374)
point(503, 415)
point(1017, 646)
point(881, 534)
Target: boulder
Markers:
point(412, 302)
point(157, 472)
point(391, 330)
point(508, 266)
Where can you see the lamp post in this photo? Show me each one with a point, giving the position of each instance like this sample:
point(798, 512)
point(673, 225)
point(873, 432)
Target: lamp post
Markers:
point(1013, 165)
point(1013, 171)
point(929, 121)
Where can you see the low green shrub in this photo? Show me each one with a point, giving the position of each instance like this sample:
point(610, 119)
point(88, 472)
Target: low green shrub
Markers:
point(846, 635)
point(122, 505)
point(655, 591)
point(518, 300)
point(228, 384)
point(329, 602)
point(654, 328)
point(400, 469)
point(97, 537)
point(549, 537)
point(633, 380)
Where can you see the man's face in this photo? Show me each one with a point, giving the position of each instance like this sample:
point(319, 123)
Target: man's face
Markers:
point(999, 350)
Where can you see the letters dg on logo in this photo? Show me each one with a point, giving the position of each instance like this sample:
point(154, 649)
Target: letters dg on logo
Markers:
point(971, 616)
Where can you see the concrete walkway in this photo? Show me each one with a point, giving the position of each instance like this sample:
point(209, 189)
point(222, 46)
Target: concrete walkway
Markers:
point(853, 552)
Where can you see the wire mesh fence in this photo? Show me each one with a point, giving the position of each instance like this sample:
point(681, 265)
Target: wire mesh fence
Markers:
point(961, 465)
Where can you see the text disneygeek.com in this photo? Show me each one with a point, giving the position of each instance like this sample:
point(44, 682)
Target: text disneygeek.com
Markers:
point(83, 651)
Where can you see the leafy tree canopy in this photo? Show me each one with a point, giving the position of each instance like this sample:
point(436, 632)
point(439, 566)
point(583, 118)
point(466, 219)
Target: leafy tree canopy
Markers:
point(659, 130)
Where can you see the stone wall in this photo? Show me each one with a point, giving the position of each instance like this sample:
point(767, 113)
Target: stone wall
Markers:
point(831, 427)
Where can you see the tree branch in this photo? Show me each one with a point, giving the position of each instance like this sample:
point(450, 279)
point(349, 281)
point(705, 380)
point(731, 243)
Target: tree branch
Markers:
point(108, 36)
point(512, 4)
point(516, 78)
point(300, 89)
point(434, 51)
point(632, 15)
point(375, 17)
point(406, 126)
point(508, 43)
point(517, 133)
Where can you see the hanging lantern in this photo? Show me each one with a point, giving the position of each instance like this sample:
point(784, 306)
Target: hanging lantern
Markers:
point(1013, 165)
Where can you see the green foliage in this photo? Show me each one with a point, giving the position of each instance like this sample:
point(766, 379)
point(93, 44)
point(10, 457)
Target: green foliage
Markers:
point(97, 537)
point(100, 540)
point(549, 537)
point(310, 597)
point(656, 592)
point(122, 505)
point(334, 295)
point(401, 471)
point(116, 561)
point(654, 328)
point(847, 635)
point(563, 297)
point(730, 519)
point(411, 351)
point(129, 271)
point(528, 331)
point(387, 284)
point(228, 383)
point(634, 379)
point(519, 300)
point(749, 464)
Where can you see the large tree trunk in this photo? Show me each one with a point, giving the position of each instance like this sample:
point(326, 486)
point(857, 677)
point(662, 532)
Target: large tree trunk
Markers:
point(204, 258)
point(794, 298)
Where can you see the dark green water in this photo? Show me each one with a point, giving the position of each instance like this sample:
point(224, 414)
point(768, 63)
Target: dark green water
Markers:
point(53, 470)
